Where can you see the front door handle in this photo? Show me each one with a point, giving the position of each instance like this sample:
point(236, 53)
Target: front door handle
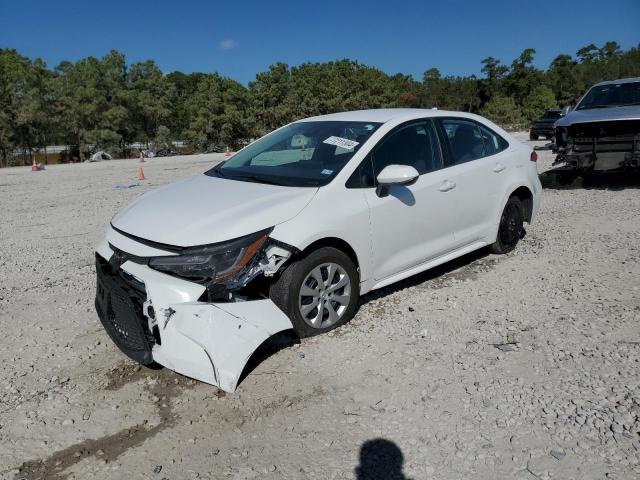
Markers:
point(446, 186)
point(499, 167)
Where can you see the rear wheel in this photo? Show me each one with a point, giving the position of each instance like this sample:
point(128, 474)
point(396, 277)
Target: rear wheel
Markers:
point(511, 227)
point(533, 136)
point(318, 292)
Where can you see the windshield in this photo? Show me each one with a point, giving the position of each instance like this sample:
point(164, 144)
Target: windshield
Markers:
point(612, 95)
point(303, 154)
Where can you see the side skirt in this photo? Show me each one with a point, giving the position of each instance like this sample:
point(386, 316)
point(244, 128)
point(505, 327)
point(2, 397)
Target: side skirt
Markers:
point(429, 264)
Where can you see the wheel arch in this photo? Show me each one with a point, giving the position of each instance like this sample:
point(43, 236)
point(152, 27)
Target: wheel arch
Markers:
point(526, 197)
point(525, 194)
point(335, 242)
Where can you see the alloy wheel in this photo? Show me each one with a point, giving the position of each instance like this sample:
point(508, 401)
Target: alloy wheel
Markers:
point(324, 295)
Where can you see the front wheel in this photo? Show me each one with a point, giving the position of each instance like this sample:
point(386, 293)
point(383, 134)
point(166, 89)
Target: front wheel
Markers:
point(318, 292)
point(511, 227)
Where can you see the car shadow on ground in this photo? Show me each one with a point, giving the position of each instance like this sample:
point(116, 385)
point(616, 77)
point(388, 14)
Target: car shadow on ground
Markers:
point(461, 267)
point(269, 347)
point(563, 178)
point(380, 459)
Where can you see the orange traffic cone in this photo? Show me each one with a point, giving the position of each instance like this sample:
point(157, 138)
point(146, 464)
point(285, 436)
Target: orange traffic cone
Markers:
point(141, 157)
point(141, 174)
point(228, 152)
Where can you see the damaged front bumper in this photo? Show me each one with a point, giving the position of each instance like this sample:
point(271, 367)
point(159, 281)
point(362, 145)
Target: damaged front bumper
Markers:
point(156, 317)
point(599, 146)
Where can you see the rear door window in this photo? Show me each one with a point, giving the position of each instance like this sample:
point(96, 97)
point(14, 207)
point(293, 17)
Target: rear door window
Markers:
point(464, 139)
point(493, 143)
point(467, 140)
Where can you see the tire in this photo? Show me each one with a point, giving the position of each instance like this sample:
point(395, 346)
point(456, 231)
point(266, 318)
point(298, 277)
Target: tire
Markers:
point(511, 227)
point(304, 310)
point(533, 136)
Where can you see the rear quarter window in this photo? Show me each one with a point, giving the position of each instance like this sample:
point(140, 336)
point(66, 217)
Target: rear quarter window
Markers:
point(493, 143)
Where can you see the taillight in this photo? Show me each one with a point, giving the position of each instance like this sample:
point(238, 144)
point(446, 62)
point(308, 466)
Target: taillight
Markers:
point(533, 157)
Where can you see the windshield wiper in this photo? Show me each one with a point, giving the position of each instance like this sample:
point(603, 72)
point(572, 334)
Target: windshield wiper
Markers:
point(255, 178)
point(609, 106)
point(597, 106)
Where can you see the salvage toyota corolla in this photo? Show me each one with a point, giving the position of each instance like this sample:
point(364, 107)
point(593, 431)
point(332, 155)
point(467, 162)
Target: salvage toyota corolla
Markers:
point(291, 230)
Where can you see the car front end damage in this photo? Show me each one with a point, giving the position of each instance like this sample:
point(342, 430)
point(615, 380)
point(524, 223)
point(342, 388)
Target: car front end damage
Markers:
point(158, 303)
point(606, 145)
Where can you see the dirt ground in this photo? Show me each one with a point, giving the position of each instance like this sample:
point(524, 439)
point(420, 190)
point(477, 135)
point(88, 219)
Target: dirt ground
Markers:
point(524, 366)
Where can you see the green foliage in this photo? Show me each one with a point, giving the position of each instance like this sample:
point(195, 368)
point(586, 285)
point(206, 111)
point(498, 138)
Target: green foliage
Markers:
point(25, 105)
point(217, 113)
point(503, 111)
point(537, 102)
point(267, 98)
point(565, 80)
point(106, 104)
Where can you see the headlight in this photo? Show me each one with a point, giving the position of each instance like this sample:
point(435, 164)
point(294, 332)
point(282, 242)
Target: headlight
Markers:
point(562, 136)
point(212, 262)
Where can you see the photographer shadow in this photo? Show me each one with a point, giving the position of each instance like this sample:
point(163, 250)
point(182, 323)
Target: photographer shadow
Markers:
point(380, 459)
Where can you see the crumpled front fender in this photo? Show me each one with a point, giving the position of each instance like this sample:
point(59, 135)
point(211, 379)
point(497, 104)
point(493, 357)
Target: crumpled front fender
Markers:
point(211, 342)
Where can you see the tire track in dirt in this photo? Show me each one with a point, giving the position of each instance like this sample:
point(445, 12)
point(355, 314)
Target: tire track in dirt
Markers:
point(108, 448)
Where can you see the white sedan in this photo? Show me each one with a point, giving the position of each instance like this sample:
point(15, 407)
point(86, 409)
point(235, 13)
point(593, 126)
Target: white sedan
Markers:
point(291, 230)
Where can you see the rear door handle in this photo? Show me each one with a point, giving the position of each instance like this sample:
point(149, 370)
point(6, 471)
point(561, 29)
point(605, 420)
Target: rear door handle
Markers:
point(499, 167)
point(446, 186)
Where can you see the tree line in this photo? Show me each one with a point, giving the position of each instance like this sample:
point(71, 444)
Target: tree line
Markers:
point(106, 104)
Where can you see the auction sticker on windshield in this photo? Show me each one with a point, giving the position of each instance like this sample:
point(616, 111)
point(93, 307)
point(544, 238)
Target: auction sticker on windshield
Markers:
point(341, 142)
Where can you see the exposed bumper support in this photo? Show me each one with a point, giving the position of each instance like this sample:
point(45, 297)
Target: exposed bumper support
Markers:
point(599, 146)
point(210, 342)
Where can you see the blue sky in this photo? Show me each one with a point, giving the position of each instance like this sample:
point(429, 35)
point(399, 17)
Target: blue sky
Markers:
point(239, 39)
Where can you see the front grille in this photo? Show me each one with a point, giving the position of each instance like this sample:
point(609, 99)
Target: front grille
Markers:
point(622, 143)
point(606, 137)
point(119, 302)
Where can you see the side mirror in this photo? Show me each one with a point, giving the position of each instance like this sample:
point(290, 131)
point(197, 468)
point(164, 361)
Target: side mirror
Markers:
point(395, 175)
point(566, 110)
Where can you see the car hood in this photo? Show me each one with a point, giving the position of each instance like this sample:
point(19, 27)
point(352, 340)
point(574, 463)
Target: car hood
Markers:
point(544, 121)
point(201, 210)
point(631, 112)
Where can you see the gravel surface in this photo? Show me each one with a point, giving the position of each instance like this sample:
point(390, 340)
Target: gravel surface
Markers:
point(522, 366)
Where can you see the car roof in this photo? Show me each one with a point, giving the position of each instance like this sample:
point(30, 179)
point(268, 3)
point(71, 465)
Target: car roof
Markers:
point(620, 80)
point(383, 115)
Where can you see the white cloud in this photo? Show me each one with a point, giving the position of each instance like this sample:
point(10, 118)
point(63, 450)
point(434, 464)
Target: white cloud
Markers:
point(227, 44)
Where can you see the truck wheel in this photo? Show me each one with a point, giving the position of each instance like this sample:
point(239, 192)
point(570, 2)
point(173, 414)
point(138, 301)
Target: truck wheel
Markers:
point(318, 292)
point(533, 136)
point(511, 227)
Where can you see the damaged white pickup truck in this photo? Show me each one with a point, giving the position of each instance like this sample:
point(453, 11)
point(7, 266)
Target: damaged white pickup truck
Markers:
point(603, 132)
point(291, 230)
